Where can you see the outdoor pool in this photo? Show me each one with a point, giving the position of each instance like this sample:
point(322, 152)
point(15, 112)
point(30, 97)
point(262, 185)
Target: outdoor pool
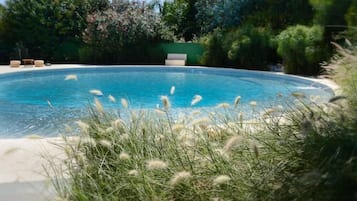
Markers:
point(42, 101)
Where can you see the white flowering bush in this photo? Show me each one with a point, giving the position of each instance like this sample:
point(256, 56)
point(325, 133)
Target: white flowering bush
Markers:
point(111, 34)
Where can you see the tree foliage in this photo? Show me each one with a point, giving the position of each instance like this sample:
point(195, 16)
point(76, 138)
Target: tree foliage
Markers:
point(332, 15)
point(180, 15)
point(247, 47)
point(44, 26)
point(301, 48)
point(213, 14)
point(279, 14)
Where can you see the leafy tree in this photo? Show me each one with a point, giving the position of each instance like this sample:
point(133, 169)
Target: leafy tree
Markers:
point(44, 26)
point(331, 15)
point(276, 14)
point(351, 19)
point(330, 12)
point(223, 13)
point(279, 14)
point(98, 5)
point(180, 16)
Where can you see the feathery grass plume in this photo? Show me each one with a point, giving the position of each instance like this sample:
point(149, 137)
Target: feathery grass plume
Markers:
point(34, 137)
point(11, 150)
point(221, 179)
point(111, 98)
point(180, 177)
point(156, 165)
point(124, 156)
point(88, 141)
point(315, 99)
point(279, 108)
point(212, 114)
point(134, 115)
point(268, 112)
point(159, 112)
point(124, 103)
point(165, 102)
point(109, 130)
point(49, 104)
point(160, 138)
point(71, 77)
point(253, 103)
point(98, 105)
point(195, 112)
point(83, 126)
point(105, 143)
point(298, 94)
point(236, 101)
point(178, 127)
point(68, 128)
point(222, 153)
point(124, 137)
point(118, 123)
point(240, 117)
point(232, 142)
point(223, 105)
point(133, 173)
point(186, 139)
point(213, 133)
point(196, 99)
point(172, 90)
point(217, 199)
point(96, 92)
point(201, 121)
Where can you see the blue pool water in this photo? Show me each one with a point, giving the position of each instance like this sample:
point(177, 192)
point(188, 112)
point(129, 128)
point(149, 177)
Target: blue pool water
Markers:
point(35, 102)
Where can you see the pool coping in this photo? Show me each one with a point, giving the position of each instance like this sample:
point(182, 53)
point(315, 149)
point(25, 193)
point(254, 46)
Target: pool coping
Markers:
point(21, 157)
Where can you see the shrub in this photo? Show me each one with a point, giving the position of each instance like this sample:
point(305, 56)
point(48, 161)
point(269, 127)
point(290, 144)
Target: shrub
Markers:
point(246, 47)
point(120, 34)
point(344, 69)
point(249, 47)
point(301, 49)
point(214, 54)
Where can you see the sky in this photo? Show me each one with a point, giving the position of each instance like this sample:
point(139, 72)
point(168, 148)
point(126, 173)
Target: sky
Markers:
point(2, 1)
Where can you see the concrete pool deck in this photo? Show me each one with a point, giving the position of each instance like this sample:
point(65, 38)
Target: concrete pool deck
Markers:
point(22, 176)
point(21, 160)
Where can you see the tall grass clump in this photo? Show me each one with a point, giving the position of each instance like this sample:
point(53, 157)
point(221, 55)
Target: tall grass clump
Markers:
point(151, 157)
point(306, 153)
point(318, 143)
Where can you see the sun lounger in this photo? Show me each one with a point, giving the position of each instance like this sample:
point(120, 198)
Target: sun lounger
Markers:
point(176, 59)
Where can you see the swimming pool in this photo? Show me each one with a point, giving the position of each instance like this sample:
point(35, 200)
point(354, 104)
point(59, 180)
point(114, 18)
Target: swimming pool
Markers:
point(42, 101)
